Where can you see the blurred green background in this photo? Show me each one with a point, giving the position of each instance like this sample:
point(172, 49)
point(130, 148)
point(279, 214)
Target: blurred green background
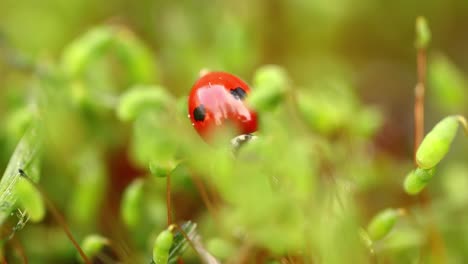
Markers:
point(368, 42)
point(366, 45)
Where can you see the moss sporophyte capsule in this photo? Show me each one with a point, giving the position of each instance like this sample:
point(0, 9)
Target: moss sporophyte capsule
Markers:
point(417, 179)
point(437, 142)
point(98, 249)
point(162, 245)
point(423, 33)
point(383, 223)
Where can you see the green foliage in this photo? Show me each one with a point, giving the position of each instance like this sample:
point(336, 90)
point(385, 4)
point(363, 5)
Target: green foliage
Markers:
point(220, 248)
point(89, 190)
point(92, 46)
point(137, 100)
point(153, 143)
point(25, 158)
point(318, 106)
point(107, 122)
point(270, 87)
point(81, 52)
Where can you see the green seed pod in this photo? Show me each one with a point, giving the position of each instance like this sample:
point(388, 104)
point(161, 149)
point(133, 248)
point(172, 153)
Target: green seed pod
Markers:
point(93, 245)
point(85, 49)
point(436, 143)
point(270, 86)
point(132, 203)
point(30, 199)
point(417, 179)
point(383, 223)
point(162, 246)
point(142, 98)
point(423, 33)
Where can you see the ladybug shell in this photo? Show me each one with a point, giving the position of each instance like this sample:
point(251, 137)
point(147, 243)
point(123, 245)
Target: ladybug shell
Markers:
point(217, 100)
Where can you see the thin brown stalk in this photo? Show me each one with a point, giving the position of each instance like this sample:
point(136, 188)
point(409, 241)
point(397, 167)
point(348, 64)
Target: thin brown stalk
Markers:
point(242, 255)
point(215, 197)
point(168, 200)
point(2, 258)
point(436, 242)
point(204, 195)
point(464, 123)
point(58, 217)
point(19, 249)
point(191, 243)
point(419, 94)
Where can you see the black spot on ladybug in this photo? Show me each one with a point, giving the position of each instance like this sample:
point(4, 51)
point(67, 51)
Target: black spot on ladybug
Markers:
point(238, 93)
point(199, 113)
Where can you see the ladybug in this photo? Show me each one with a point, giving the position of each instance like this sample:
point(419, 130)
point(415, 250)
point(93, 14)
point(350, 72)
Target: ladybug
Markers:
point(217, 100)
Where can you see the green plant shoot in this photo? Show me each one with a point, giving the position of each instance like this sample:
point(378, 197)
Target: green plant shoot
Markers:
point(383, 223)
point(93, 245)
point(162, 245)
point(423, 33)
point(436, 143)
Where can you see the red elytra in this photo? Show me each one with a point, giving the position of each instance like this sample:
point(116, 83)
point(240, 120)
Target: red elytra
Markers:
point(216, 101)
